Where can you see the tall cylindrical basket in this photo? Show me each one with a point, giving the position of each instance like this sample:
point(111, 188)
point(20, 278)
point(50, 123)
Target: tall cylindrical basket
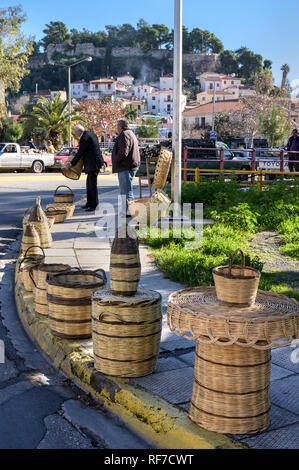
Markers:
point(126, 332)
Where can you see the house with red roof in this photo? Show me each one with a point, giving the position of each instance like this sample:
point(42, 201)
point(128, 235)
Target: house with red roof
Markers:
point(202, 116)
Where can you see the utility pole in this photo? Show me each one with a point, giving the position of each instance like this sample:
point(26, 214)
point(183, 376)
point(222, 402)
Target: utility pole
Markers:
point(177, 105)
point(213, 119)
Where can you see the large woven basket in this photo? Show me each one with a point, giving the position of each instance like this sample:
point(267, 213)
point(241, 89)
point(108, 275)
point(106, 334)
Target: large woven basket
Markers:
point(29, 261)
point(69, 302)
point(39, 219)
point(126, 333)
point(39, 274)
point(231, 389)
point(67, 197)
point(27, 215)
point(150, 210)
point(75, 172)
point(237, 284)
point(162, 168)
point(125, 267)
point(30, 238)
point(63, 206)
point(59, 216)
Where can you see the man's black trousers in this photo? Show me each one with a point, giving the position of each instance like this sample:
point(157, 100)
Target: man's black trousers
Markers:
point(92, 189)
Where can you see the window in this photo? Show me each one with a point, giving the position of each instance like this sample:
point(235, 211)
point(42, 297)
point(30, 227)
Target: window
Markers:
point(154, 98)
point(168, 107)
point(211, 86)
point(203, 122)
point(233, 82)
point(109, 87)
point(168, 98)
point(224, 82)
point(203, 98)
point(153, 107)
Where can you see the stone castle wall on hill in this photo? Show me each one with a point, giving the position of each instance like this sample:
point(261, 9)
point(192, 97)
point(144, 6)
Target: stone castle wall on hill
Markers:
point(131, 59)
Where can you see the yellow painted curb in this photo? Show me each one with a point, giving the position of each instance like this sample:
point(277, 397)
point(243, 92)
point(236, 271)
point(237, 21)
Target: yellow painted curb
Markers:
point(166, 425)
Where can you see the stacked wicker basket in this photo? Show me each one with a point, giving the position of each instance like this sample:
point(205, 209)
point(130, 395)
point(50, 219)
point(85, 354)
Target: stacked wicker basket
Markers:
point(150, 210)
point(126, 322)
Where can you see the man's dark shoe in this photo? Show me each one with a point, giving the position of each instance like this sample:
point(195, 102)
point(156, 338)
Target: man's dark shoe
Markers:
point(90, 209)
point(85, 207)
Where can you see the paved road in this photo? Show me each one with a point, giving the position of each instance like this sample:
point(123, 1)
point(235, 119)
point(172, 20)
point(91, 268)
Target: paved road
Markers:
point(39, 407)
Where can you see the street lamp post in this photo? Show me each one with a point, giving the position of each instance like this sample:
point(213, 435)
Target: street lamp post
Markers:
point(177, 108)
point(87, 59)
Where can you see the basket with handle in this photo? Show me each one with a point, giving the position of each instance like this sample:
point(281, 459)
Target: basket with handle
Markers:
point(162, 168)
point(236, 284)
point(69, 301)
point(59, 216)
point(26, 216)
point(39, 274)
point(67, 197)
point(28, 262)
point(73, 173)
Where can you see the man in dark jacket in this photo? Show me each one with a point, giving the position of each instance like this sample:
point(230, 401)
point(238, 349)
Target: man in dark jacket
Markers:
point(90, 152)
point(293, 146)
point(125, 162)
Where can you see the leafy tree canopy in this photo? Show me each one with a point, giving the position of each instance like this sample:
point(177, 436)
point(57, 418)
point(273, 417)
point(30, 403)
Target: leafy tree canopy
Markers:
point(15, 49)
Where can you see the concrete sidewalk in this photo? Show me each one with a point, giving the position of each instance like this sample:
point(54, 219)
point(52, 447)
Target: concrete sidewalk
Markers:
point(157, 405)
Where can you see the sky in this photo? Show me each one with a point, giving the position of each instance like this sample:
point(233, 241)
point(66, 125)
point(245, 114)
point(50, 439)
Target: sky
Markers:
point(268, 27)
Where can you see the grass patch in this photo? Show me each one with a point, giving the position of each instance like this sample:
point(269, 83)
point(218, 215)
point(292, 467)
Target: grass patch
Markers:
point(238, 214)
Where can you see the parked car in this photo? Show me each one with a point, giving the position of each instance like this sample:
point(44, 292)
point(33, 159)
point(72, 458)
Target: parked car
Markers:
point(13, 158)
point(63, 155)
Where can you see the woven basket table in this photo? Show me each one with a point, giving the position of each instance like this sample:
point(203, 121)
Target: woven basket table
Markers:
point(233, 355)
point(126, 332)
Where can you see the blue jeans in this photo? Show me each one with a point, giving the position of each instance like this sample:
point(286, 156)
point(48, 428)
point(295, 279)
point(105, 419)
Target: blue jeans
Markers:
point(125, 179)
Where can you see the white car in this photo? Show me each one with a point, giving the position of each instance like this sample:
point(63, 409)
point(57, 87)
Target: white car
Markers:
point(12, 158)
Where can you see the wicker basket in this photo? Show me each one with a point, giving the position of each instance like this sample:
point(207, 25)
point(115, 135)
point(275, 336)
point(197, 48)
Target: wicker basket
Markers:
point(126, 333)
point(39, 276)
point(39, 219)
point(237, 284)
point(69, 302)
point(30, 238)
point(125, 267)
point(69, 208)
point(231, 389)
point(75, 172)
point(162, 169)
point(64, 197)
point(28, 262)
point(58, 215)
point(150, 210)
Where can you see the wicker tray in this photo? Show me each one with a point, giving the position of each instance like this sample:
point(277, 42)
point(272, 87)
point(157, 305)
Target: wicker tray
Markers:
point(73, 173)
point(63, 206)
point(150, 210)
point(196, 313)
point(58, 215)
point(162, 169)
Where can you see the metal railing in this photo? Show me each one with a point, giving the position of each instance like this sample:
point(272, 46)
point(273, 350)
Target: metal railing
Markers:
point(254, 161)
point(260, 174)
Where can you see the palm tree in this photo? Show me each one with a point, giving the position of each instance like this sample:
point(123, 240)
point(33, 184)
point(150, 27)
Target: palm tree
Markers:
point(286, 70)
point(53, 116)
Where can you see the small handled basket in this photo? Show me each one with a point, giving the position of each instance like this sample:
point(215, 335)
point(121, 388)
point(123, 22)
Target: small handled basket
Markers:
point(27, 263)
point(64, 197)
point(237, 284)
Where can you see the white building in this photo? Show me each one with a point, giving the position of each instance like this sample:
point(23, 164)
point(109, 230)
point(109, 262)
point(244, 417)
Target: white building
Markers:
point(142, 91)
point(221, 82)
point(127, 79)
point(161, 102)
point(79, 89)
point(101, 87)
point(167, 82)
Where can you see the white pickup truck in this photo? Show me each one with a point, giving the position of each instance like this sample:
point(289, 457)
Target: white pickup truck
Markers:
point(12, 158)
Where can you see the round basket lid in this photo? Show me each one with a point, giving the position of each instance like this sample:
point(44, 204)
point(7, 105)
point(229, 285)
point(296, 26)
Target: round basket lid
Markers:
point(198, 312)
point(142, 296)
